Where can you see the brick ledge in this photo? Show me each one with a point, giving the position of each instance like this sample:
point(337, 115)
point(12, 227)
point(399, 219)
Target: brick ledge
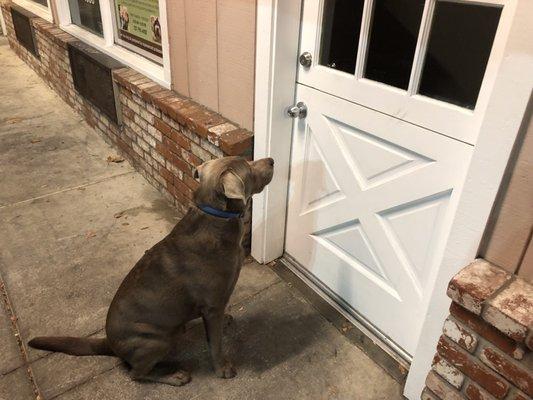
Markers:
point(219, 131)
point(501, 300)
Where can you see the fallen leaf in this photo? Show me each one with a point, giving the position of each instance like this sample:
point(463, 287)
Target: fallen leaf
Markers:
point(11, 121)
point(35, 140)
point(126, 223)
point(90, 234)
point(119, 214)
point(115, 159)
point(144, 227)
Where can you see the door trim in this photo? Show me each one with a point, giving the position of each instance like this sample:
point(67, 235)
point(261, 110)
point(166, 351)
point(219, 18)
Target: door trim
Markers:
point(277, 38)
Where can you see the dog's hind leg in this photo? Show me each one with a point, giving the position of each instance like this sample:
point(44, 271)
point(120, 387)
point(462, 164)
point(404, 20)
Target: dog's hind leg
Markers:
point(145, 359)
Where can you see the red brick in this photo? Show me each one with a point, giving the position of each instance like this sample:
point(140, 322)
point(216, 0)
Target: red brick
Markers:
point(235, 143)
point(191, 182)
point(428, 395)
point(172, 146)
point(442, 389)
point(191, 158)
point(183, 188)
point(179, 163)
point(518, 374)
point(488, 332)
point(474, 392)
point(529, 340)
point(472, 368)
point(511, 311)
point(162, 127)
point(127, 112)
point(173, 107)
point(202, 120)
point(166, 174)
point(519, 396)
point(180, 139)
point(448, 372)
point(460, 335)
point(476, 283)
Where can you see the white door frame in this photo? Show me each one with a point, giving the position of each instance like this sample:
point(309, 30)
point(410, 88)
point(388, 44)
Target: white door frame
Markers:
point(278, 26)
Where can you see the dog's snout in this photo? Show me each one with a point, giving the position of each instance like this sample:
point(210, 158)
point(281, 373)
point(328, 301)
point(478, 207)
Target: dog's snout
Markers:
point(270, 161)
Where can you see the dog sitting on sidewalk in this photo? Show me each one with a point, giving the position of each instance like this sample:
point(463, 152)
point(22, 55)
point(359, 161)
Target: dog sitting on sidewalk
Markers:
point(191, 273)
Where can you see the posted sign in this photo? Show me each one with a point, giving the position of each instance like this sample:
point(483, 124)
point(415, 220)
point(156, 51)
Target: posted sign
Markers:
point(138, 24)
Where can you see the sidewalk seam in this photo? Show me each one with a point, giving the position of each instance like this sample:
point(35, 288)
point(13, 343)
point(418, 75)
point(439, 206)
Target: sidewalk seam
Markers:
point(14, 325)
point(67, 189)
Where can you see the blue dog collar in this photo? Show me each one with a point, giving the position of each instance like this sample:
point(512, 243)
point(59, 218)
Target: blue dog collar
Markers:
point(219, 213)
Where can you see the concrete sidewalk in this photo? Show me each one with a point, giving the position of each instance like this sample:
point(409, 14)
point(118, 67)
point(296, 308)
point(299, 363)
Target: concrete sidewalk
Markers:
point(72, 225)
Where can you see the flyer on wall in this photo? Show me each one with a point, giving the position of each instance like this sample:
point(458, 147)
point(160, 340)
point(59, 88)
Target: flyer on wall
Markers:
point(138, 24)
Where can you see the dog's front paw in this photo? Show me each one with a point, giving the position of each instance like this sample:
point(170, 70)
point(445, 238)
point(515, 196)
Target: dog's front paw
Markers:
point(227, 371)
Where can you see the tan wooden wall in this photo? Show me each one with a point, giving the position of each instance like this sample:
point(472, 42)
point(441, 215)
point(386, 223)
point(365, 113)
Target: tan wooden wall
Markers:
point(507, 240)
point(212, 52)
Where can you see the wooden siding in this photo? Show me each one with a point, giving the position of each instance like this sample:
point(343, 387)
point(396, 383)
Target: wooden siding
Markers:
point(508, 237)
point(212, 51)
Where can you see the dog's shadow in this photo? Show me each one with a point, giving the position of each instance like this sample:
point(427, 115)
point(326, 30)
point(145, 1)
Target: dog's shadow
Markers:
point(256, 342)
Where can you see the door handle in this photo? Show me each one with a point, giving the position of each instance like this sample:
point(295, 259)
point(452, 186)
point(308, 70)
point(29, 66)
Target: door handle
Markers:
point(299, 110)
point(306, 59)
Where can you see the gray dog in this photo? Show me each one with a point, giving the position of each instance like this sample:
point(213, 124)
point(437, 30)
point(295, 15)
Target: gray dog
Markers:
point(191, 273)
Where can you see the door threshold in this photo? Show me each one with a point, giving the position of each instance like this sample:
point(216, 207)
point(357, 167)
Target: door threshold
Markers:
point(361, 333)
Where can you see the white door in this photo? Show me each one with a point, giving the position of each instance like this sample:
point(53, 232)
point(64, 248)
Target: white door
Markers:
point(393, 94)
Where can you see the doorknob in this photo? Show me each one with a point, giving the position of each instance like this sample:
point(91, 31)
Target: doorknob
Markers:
point(306, 59)
point(297, 111)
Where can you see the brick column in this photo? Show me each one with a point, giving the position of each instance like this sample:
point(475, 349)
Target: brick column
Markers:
point(484, 352)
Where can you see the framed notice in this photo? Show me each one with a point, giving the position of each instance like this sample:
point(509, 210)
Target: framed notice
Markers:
point(138, 24)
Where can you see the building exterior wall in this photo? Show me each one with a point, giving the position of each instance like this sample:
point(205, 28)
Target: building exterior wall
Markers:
point(212, 50)
point(508, 235)
point(164, 135)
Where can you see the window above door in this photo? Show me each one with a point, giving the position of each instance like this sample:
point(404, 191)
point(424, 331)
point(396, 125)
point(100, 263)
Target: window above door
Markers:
point(408, 58)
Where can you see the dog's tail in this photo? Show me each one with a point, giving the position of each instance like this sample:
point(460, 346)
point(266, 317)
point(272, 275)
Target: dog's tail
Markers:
point(73, 345)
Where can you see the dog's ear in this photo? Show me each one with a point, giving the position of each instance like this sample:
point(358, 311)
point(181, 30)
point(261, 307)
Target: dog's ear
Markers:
point(233, 186)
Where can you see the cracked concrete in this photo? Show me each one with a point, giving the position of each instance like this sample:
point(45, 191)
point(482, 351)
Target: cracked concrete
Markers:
point(73, 225)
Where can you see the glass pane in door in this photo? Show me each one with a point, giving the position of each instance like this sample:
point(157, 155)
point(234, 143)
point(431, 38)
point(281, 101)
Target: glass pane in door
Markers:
point(341, 25)
point(458, 51)
point(393, 37)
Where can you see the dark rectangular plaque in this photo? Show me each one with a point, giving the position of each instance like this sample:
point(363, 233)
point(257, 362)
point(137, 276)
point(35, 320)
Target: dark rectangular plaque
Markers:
point(93, 79)
point(23, 28)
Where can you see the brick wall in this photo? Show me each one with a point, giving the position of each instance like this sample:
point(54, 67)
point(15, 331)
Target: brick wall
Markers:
point(164, 135)
point(485, 352)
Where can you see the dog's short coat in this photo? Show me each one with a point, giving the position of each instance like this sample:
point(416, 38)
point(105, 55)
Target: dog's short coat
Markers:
point(191, 273)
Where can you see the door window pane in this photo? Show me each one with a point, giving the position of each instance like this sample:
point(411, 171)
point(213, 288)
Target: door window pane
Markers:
point(458, 50)
point(86, 13)
point(341, 25)
point(393, 37)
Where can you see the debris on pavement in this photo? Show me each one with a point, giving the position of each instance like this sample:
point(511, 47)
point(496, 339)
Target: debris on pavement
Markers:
point(115, 159)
